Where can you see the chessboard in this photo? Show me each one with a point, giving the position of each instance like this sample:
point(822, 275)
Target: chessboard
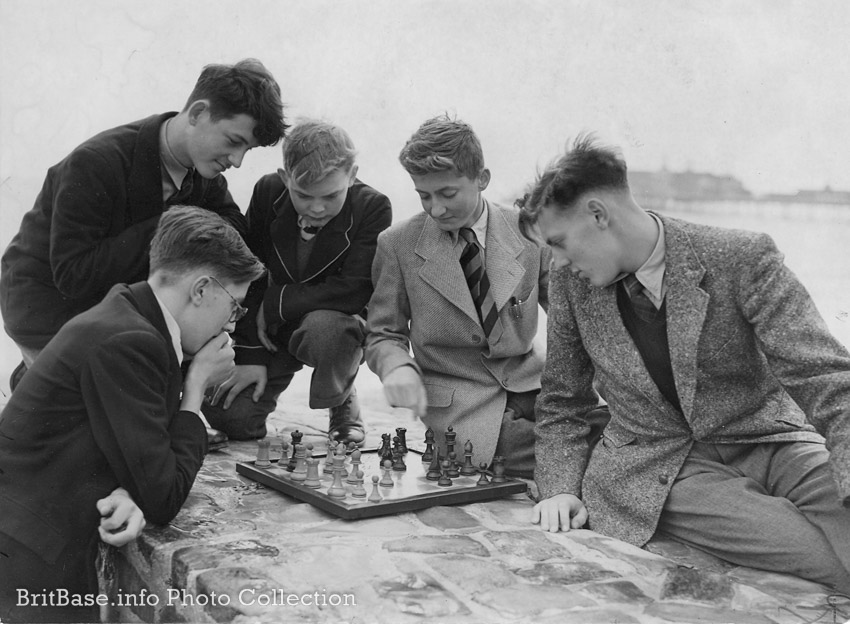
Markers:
point(355, 483)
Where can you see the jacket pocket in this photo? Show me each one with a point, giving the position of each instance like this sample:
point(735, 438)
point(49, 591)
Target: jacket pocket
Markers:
point(439, 396)
point(615, 438)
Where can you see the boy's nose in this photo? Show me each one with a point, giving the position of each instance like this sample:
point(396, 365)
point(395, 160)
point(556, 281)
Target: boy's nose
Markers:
point(437, 210)
point(235, 158)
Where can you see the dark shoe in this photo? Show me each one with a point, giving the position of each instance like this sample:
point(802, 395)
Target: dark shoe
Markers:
point(345, 422)
point(17, 374)
point(216, 439)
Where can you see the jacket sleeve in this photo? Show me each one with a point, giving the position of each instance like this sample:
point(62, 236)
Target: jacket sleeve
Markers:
point(216, 198)
point(388, 337)
point(86, 261)
point(349, 288)
point(810, 363)
point(154, 454)
point(566, 397)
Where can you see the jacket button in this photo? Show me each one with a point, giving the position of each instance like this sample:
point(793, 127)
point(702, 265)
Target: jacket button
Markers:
point(476, 338)
point(663, 479)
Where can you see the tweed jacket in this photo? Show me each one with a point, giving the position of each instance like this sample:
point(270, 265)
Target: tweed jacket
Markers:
point(421, 302)
point(91, 227)
point(752, 360)
point(338, 272)
point(98, 409)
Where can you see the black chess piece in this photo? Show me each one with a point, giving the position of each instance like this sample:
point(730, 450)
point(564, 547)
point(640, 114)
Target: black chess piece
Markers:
point(398, 456)
point(386, 452)
point(296, 440)
point(433, 473)
point(453, 472)
point(428, 455)
point(468, 469)
point(483, 480)
point(444, 481)
point(499, 469)
point(401, 432)
point(450, 440)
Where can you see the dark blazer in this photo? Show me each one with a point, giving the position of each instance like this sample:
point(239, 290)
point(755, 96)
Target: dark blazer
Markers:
point(752, 360)
point(91, 227)
point(337, 275)
point(98, 409)
point(422, 303)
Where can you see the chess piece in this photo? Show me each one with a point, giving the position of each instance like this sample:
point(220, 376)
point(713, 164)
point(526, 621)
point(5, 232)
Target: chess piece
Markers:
point(296, 440)
point(340, 456)
point(398, 456)
point(385, 445)
point(453, 472)
point(355, 467)
point(375, 496)
point(483, 480)
point(299, 473)
point(499, 469)
point(434, 473)
point(401, 432)
point(428, 455)
point(444, 481)
point(450, 440)
point(262, 460)
point(468, 469)
point(337, 489)
point(276, 449)
point(387, 478)
point(312, 479)
point(358, 491)
point(329, 458)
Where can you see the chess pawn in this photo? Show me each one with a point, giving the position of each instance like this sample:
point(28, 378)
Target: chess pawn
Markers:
point(263, 454)
point(387, 478)
point(483, 480)
point(312, 479)
point(355, 467)
point(428, 455)
point(299, 473)
point(375, 496)
point(296, 440)
point(337, 489)
point(450, 440)
point(453, 472)
point(359, 491)
point(468, 469)
point(499, 469)
point(444, 481)
point(329, 458)
point(340, 456)
point(401, 432)
point(434, 473)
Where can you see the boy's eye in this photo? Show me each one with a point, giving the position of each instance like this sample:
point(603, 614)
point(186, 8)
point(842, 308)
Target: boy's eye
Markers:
point(448, 194)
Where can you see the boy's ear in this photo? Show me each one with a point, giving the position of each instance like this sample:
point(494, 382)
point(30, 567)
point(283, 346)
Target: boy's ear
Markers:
point(196, 109)
point(352, 175)
point(483, 179)
point(196, 289)
point(283, 176)
point(599, 211)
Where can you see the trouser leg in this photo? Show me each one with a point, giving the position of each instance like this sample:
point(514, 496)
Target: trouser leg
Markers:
point(332, 344)
point(730, 500)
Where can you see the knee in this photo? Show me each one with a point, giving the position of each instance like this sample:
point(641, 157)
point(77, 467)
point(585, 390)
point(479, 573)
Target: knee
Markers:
point(243, 420)
point(327, 331)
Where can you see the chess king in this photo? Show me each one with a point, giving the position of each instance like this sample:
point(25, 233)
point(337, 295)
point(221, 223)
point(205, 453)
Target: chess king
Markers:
point(460, 287)
point(104, 432)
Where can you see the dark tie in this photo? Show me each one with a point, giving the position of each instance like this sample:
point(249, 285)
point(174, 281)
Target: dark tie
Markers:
point(471, 261)
point(641, 304)
point(185, 188)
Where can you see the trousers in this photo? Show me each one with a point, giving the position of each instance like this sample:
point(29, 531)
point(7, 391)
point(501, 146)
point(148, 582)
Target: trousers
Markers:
point(329, 342)
point(770, 506)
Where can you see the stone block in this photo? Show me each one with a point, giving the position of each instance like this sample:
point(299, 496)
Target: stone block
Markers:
point(472, 574)
point(691, 584)
point(435, 544)
point(531, 600)
point(684, 613)
point(687, 555)
point(617, 592)
point(534, 545)
point(196, 558)
point(448, 518)
point(419, 594)
point(567, 573)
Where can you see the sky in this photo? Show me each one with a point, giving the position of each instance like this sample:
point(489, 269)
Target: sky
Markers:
point(756, 89)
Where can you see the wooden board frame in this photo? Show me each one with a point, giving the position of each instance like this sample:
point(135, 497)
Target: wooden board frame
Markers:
point(419, 492)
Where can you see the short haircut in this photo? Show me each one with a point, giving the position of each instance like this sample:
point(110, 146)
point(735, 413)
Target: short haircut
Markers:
point(443, 144)
point(587, 166)
point(314, 149)
point(188, 238)
point(244, 88)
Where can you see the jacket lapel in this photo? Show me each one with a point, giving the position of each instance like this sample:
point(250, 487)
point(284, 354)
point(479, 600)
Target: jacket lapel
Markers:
point(144, 184)
point(686, 310)
point(501, 257)
point(331, 242)
point(284, 236)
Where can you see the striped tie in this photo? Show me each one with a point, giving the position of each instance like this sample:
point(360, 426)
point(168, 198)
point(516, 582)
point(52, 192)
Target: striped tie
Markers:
point(472, 263)
point(641, 304)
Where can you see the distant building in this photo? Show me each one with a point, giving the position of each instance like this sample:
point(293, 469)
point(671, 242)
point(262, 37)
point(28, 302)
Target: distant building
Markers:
point(823, 196)
point(658, 187)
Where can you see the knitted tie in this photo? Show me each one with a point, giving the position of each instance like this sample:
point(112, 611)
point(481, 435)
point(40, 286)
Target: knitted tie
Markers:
point(641, 304)
point(471, 261)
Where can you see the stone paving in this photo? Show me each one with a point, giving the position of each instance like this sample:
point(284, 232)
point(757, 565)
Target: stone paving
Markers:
point(239, 552)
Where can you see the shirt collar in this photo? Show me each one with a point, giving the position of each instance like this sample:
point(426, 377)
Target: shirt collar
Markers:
point(173, 329)
point(176, 172)
point(651, 273)
point(479, 227)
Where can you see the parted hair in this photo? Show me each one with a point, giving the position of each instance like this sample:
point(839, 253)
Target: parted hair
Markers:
point(244, 88)
point(314, 149)
point(586, 166)
point(443, 144)
point(188, 238)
